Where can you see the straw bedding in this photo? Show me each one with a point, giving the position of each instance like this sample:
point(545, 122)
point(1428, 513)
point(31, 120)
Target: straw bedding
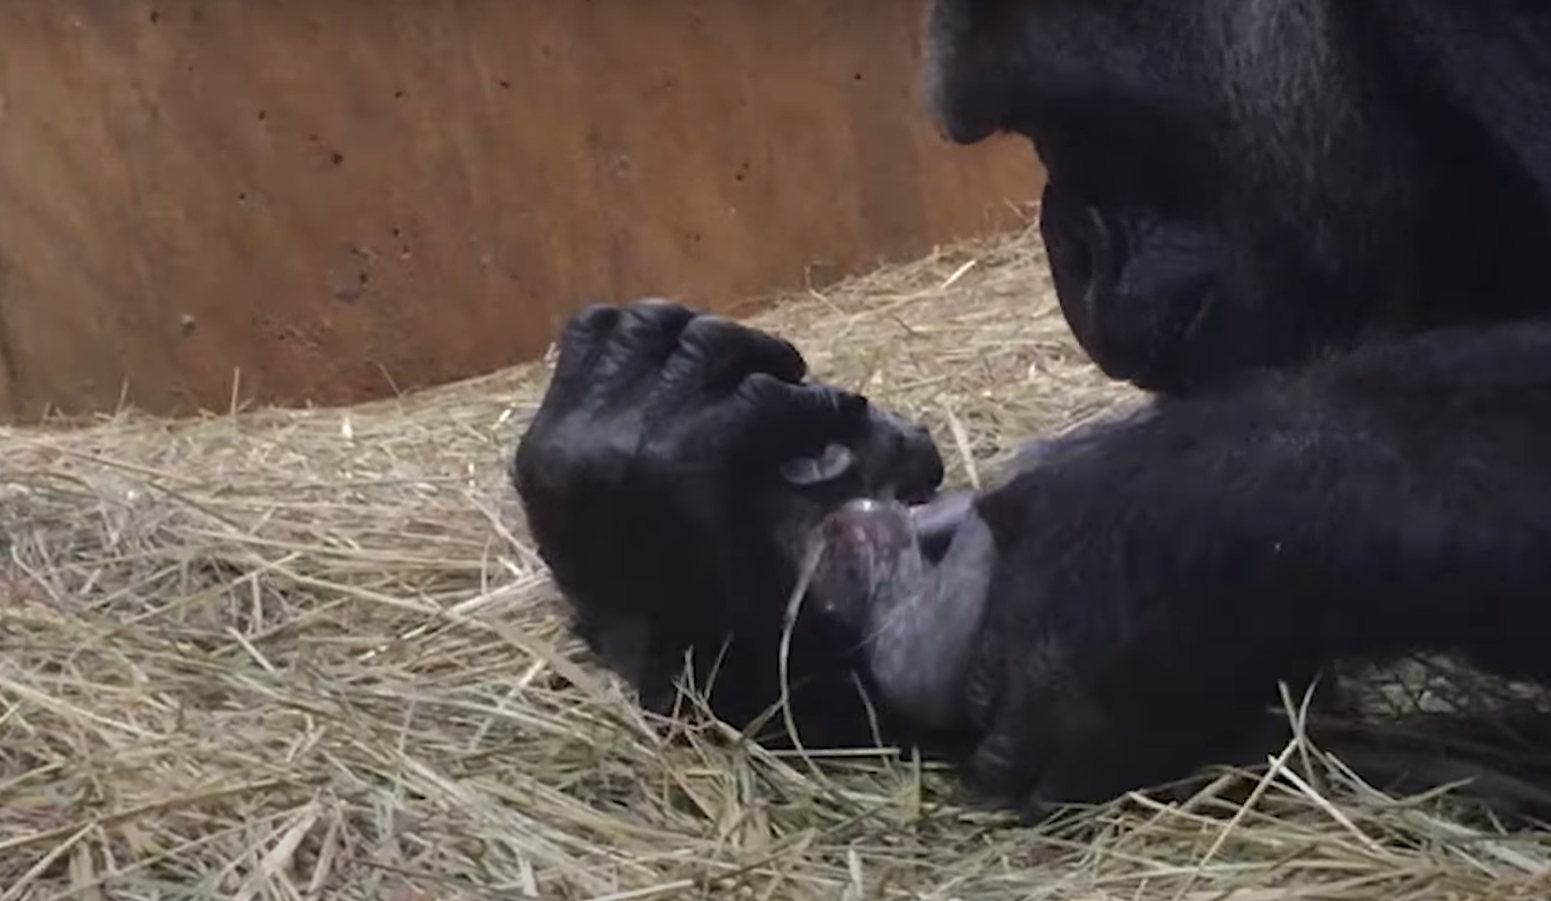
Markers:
point(306, 654)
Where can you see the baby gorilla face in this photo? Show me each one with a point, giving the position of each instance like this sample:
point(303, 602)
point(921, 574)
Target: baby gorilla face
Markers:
point(877, 553)
point(905, 572)
point(868, 558)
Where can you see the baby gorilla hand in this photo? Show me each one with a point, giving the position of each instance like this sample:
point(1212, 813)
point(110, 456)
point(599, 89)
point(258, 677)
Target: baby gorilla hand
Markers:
point(643, 476)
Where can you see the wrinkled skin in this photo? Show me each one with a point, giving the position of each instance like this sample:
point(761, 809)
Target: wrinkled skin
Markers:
point(913, 581)
point(1315, 230)
point(917, 616)
point(675, 466)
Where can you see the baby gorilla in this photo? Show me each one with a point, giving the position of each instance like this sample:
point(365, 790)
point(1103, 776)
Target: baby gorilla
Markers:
point(912, 582)
point(903, 572)
point(909, 576)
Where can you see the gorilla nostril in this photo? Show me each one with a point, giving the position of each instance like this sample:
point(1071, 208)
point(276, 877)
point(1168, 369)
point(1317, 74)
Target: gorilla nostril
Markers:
point(1083, 252)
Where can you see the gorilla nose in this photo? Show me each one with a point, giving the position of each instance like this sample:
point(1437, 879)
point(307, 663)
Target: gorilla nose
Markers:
point(1087, 259)
point(1103, 259)
point(1084, 256)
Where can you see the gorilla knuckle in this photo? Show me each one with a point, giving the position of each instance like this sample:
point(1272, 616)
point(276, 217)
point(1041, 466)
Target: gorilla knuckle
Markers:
point(593, 317)
point(994, 766)
point(762, 391)
point(656, 322)
point(658, 309)
point(710, 336)
point(662, 304)
point(585, 328)
point(743, 349)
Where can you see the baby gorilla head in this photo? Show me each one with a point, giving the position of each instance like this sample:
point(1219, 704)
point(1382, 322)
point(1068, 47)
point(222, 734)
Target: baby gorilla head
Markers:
point(902, 572)
point(911, 582)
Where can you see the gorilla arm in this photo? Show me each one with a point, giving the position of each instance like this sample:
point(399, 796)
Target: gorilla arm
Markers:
point(1152, 587)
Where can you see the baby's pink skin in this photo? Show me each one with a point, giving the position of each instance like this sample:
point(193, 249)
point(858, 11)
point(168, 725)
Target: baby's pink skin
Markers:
point(912, 581)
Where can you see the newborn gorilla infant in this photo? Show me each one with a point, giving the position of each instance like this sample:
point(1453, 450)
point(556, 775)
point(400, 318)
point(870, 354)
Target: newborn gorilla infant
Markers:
point(912, 581)
point(910, 576)
point(902, 571)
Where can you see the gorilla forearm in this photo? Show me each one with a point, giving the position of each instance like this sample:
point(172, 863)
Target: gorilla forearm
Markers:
point(1370, 495)
point(1153, 588)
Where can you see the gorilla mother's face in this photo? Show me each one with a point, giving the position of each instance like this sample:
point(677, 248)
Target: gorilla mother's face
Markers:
point(1189, 149)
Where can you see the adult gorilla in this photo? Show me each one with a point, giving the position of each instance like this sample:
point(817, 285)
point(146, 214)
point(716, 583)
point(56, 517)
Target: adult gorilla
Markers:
point(1316, 229)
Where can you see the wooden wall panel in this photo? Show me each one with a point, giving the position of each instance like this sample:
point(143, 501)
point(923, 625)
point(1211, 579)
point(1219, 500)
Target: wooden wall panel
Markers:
point(341, 198)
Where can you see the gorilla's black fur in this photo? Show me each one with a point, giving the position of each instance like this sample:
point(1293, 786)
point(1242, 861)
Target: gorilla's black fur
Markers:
point(1317, 230)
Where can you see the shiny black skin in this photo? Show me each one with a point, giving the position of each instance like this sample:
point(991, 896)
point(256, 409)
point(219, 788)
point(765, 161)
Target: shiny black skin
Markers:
point(656, 480)
point(1316, 230)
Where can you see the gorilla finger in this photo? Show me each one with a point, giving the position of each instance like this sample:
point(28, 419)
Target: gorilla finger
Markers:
point(985, 683)
point(724, 353)
point(654, 326)
point(645, 339)
point(1011, 758)
point(991, 767)
point(782, 420)
point(581, 340)
point(1034, 810)
point(714, 356)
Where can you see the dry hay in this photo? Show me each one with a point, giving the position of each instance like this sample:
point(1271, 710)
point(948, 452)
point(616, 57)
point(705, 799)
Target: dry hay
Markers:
point(306, 655)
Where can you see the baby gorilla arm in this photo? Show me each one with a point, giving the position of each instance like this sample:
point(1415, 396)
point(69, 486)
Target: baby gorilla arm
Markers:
point(1151, 591)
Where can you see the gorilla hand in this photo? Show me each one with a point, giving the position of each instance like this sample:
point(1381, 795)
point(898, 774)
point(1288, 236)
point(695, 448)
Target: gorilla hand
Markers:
point(651, 477)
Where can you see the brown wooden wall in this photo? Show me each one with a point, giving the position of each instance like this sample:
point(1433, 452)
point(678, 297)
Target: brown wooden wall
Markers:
point(341, 197)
